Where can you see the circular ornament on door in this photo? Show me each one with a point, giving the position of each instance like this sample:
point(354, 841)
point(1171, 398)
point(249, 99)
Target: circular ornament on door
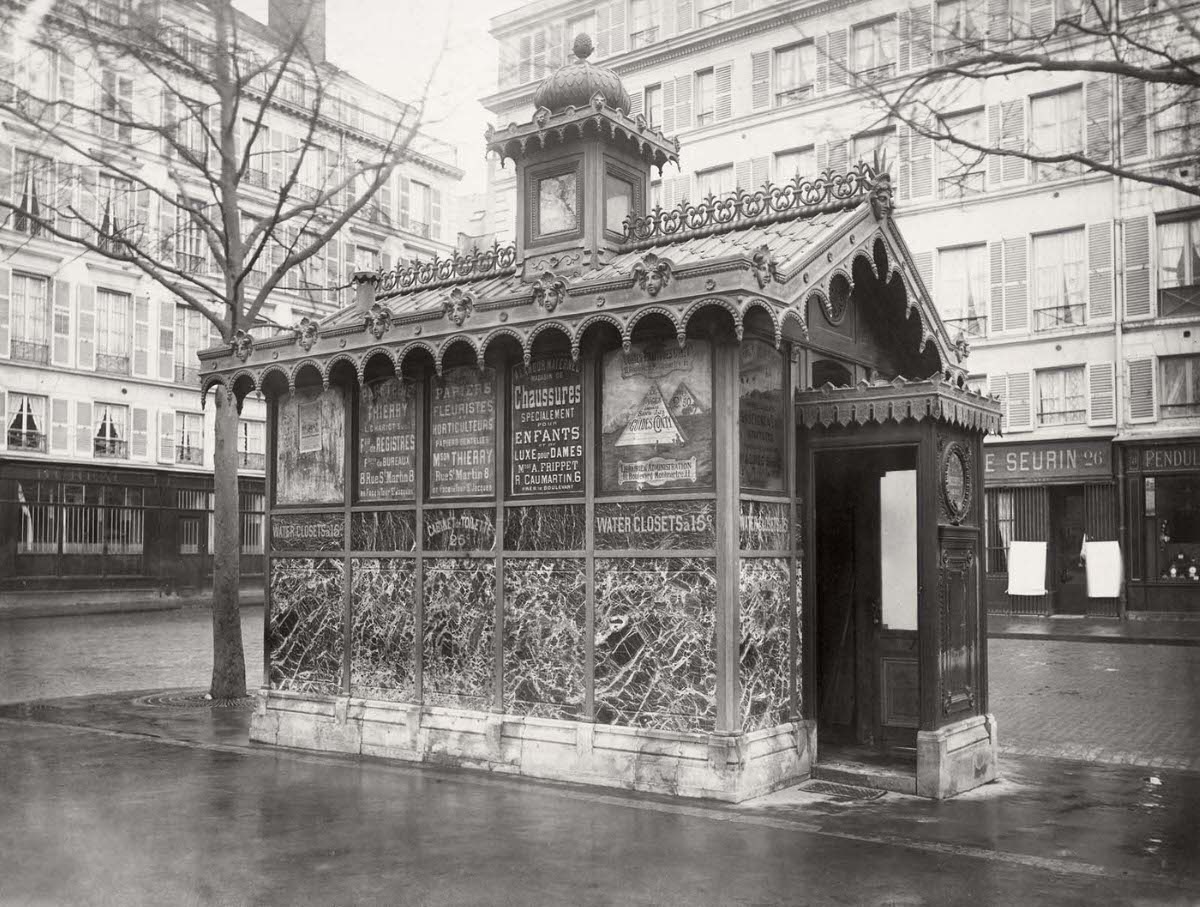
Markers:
point(956, 482)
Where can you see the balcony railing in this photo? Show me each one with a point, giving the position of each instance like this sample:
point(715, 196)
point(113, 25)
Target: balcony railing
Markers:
point(1051, 319)
point(1062, 416)
point(249, 460)
point(257, 177)
point(971, 326)
point(962, 184)
point(188, 454)
point(111, 364)
point(1174, 410)
point(872, 73)
point(31, 351)
point(793, 95)
point(110, 448)
point(643, 38)
point(23, 439)
point(415, 226)
point(378, 215)
point(189, 263)
point(1171, 301)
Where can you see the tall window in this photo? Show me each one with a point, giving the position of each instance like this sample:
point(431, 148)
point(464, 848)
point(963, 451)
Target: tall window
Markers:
point(1061, 396)
point(366, 258)
point(712, 13)
point(26, 422)
point(1180, 386)
point(962, 289)
point(421, 209)
point(1176, 119)
point(795, 162)
point(116, 214)
point(116, 106)
point(189, 438)
point(30, 306)
point(644, 16)
point(718, 182)
point(191, 336)
point(1059, 275)
point(653, 105)
point(795, 69)
point(112, 332)
point(32, 192)
point(706, 97)
point(959, 28)
point(962, 170)
point(1179, 267)
point(111, 438)
point(1001, 521)
point(656, 195)
point(190, 248)
point(252, 506)
point(32, 77)
point(1056, 128)
point(882, 142)
point(578, 25)
point(875, 49)
point(252, 444)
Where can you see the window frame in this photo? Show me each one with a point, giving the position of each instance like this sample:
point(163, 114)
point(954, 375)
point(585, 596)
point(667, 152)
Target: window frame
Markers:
point(1190, 405)
point(886, 38)
point(974, 326)
point(23, 310)
point(189, 427)
point(798, 151)
point(1076, 416)
point(709, 172)
point(782, 97)
point(20, 406)
point(1179, 299)
point(704, 82)
point(1076, 313)
point(1046, 172)
point(114, 331)
point(116, 445)
point(946, 151)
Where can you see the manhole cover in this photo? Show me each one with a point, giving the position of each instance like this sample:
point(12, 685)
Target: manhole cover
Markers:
point(193, 701)
point(841, 791)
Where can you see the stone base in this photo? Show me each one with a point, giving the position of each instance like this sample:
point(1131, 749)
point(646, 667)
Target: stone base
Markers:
point(731, 768)
point(957, 757)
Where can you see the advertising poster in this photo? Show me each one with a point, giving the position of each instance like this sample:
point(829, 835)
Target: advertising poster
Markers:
point(387, 441)
point(462, 433)
point(657, 429)
point(760, 415)
point(547, 427)
point(309, 467)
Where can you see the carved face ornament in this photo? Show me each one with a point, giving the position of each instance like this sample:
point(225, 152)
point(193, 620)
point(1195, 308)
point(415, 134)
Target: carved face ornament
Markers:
point(306, 333)
point(549, 291)
point(243, 344)
point(652, 273)
point(762, 263)
point(459, 306)
point(378, 320)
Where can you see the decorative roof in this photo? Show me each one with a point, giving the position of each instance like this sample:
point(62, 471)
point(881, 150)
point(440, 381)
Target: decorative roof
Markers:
point(578, 82)
point(897, 400)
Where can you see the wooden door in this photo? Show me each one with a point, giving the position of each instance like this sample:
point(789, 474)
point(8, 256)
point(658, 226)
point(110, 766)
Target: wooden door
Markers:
point(1066, 532)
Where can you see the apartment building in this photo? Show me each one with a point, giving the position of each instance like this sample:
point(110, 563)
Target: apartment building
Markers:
point(1078, 292)
point(107, 455)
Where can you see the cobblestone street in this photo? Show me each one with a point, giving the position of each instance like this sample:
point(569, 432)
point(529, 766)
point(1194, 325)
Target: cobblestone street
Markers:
point(1097, 702)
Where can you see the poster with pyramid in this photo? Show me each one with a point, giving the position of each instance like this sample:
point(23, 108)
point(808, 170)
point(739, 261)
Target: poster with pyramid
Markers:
point(656, 417)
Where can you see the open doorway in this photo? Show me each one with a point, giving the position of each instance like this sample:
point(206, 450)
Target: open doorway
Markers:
point(865, 573)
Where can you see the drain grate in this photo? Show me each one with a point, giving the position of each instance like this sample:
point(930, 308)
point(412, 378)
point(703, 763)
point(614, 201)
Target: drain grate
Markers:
point(193, 701)
point(841, 791)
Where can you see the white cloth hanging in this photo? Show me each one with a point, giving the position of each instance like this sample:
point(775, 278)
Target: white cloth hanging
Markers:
point(1105, 569)
point(1027, 568)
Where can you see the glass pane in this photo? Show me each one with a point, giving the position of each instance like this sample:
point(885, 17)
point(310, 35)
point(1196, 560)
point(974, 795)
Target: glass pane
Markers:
point(898, 547)
point(557, 204)
point(618, 202)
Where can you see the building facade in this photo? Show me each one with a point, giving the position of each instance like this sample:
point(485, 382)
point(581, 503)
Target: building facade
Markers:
point(1078, 292)
point(107, 454)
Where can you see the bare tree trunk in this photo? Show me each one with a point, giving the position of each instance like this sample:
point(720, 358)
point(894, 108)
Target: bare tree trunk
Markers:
point(229, 661)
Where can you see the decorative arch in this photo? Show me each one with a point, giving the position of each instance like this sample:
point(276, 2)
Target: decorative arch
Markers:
point(411, 347)
point(284, 376)
point(239, 375)
point(719, 302)
point(370, 354)
point(496, 334)
point(582, 328)
point(540, 329)
point(792, 314)
point(757, 302)
point(334, 360)
point(207, 384)
point(300, 367)
point(449, 343)
point(668, 313)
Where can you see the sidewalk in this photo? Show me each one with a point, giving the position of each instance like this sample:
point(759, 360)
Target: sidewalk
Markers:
point(73, 602)
point(1155, 629)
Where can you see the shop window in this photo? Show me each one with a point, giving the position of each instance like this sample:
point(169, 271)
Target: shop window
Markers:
point(962, 171)
point(111, 440)
point(26, 422)
point(1179, 266)
point(962, 289)
point(1059, 272)
point(1180, 387)
point(30, 305)
point(717, 182)
point(252, 505)
point(41, 517)
point(112, 332)
point(102, 519)
point(1056, 128)
point(1062, 399)
point(1173, 506)
point(796, 162)
point(795, 72)
point(875, 50)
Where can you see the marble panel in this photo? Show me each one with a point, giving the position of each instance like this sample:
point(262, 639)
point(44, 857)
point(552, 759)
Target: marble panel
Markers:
point(457, 635)
point(655, 642)
point(763, 594)
point(545, 613)
point(307, 531)
point(383, 629)
point(304, 630)
point(460, 529)
point(655, 525)
point(383, 530)
point(550, 527)
point(763, 526)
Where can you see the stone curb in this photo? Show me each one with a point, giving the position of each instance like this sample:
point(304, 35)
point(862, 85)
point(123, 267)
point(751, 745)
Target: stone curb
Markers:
point(1085, 637)
point(21, 609)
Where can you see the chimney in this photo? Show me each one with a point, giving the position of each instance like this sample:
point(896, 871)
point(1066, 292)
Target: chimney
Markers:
point(287, 17)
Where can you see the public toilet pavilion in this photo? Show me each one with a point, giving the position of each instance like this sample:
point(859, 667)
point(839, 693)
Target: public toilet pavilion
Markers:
point(683, 501)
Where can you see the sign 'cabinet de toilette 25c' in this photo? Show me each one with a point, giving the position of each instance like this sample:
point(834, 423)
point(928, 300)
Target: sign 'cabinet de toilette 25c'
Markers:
point(652, 499)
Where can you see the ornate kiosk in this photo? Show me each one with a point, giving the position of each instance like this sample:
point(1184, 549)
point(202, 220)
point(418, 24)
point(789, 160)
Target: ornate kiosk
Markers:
point(567, 508)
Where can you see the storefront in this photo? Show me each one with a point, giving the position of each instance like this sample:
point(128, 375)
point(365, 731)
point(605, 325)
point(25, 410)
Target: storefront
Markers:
point(561, 509)
point(1062, 493)
point(1162, 487)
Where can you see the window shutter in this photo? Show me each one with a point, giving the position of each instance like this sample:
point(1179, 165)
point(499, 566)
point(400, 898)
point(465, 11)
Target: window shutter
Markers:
point(903, 40)
point(1137, 268)
point(668, 107)
point(669, 24)
point(998, 22)
point(60, 344)
point(683, 103)
point(996, 309)
point(168, 123)
point(822, 45)
point(635, 102)
point(66, 88)
point(1020, 410)
point(141, 336)
point(723, 78)
point(1101, 406)
point(920, 19)
point(166, 436)
point(760, 80)
point(385, 262)
point(681, 191)
point(435, 212)
point(83, 429)
point(87, 328)
point(742, 176)
point(1100, 271)
point(1041, 16)
point(1134, 135)
point(6, 178)
point(1142, 405)
point(617, 29)
point(920, 166)
point(5, 310)
point(838, 62)
point(760, 172)
point(1012, 138)
point(138, 435)
point(166, 340)
point(924, 263)
point(405, 202)
point(60, 426)
point(998, 387)
point(837, 156)
point(902, 166)
point(683, 15)
point(995, 161)
point(603, 26)
point(276, 176)
point(1016, 297)
point(1097, 106)
point(87, 187)
point(65, 185)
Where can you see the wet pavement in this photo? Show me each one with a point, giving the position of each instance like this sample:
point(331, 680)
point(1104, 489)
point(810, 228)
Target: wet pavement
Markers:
point(150, 798)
